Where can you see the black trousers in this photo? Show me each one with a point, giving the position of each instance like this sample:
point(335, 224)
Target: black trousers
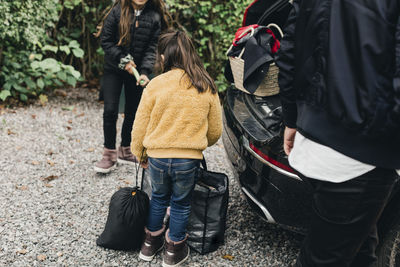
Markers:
point(112, 83)
point(343, 229)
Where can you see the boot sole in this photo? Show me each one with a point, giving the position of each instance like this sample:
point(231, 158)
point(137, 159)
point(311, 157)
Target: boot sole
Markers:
point(179, 263)
point(149, 258)
point(101, 170)
point(122, 161)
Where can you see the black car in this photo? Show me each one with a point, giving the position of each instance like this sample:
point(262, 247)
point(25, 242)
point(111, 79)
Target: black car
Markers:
point(253, 140)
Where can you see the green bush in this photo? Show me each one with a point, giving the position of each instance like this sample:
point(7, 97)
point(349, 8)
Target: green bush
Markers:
point(49, 43)
point(29, 56)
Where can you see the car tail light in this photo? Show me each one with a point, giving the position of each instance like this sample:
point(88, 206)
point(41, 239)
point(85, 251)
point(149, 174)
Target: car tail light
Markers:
point(271, 160)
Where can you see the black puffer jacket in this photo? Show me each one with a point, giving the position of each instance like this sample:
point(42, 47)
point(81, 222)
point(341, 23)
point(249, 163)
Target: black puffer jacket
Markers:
point(143, 40)
point(340, 76)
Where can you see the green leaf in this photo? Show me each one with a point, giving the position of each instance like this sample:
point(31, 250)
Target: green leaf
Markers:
point(75, 73)
point(51, 48)
point(65, 49)
point(62, 75)
point(7, 86)
point(4, 94)
point(40, 83)
point(50, 64)
point(23, 97)
point(71, 81)
point(31, 84)
point(58, 82)
point(73, 44)
point(35, 64)
point(78, 52)
point(16, 65)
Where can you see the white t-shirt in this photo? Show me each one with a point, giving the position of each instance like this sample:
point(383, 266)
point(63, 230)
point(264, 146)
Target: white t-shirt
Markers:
point(320, 162)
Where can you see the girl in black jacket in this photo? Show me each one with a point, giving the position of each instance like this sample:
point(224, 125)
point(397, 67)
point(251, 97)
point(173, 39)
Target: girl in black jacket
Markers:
point(129, 37)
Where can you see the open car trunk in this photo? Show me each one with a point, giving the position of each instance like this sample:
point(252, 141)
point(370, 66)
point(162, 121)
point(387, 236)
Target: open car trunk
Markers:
point(260, 117)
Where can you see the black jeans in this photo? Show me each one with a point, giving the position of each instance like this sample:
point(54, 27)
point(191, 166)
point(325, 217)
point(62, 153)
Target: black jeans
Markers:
point(112, 85)
point(343, 229)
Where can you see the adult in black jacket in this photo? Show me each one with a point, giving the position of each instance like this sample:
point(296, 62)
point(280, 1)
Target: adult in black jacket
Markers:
point(129, 37)
point(340, 89)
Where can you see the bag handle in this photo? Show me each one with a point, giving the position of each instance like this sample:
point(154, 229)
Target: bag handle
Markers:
point(203, 163)
point(137, 168)
point(240, 36)
point(273, 25)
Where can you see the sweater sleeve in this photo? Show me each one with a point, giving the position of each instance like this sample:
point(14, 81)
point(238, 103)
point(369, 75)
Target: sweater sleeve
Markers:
point(214, 121)
point(150, 52)
point(140, 124)
point(109, 36)
point(285, 62)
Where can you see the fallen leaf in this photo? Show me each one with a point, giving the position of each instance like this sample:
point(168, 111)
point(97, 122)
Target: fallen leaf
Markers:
point(68, 108)
point(48, 185)
point(71, 162)
point(78, 141)
point(51, 163)
point(59, 254)
point(228, 257)
point(60, 92)
point(9, 132)
point(33, 116)
point(43, 99)
point(22, 187)
point(41, 257)
point(90, 149)
point(69, 128)
point(127, 182)
point(70, 121)
point(50, 178)
point(34, 162)
point(22, 251)
point(80, 115)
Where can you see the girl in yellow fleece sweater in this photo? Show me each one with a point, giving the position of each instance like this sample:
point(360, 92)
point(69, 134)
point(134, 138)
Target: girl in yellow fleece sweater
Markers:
point(179, 115)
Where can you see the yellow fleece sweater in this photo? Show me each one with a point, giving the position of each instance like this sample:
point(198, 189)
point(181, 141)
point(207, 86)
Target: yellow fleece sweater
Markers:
point(174, 121)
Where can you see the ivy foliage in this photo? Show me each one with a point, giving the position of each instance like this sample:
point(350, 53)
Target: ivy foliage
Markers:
point(30, 57)
point(45, 44)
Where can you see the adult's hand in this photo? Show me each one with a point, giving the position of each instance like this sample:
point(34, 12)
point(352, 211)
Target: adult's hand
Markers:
point(143, 80)
point(288, 139)
point(129, 65)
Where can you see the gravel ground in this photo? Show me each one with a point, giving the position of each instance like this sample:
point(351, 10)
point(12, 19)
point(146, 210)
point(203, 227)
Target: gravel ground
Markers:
point(53, 206)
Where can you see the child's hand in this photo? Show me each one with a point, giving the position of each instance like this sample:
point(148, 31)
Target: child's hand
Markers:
point(143, 80)
point(144, 164)
point(129, 65)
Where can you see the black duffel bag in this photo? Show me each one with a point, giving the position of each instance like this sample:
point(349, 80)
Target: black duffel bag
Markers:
point(207, 221)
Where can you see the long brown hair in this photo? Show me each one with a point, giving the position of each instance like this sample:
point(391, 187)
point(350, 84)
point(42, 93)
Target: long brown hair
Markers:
point(178, 51)
point(127, 12)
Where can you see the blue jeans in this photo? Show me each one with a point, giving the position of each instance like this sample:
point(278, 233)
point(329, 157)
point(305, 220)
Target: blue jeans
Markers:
point(172, 182)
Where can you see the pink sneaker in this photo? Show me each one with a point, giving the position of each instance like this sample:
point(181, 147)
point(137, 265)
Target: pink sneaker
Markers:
point(108, 162)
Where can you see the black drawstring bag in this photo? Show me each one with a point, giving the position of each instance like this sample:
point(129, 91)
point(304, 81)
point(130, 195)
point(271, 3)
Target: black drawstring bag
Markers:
point(207, 221)
point(127, 216)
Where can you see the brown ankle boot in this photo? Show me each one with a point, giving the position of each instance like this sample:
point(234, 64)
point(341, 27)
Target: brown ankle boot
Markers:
point(153, 243)
point(175, 253)
point(125, 155)
point(108, 162)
